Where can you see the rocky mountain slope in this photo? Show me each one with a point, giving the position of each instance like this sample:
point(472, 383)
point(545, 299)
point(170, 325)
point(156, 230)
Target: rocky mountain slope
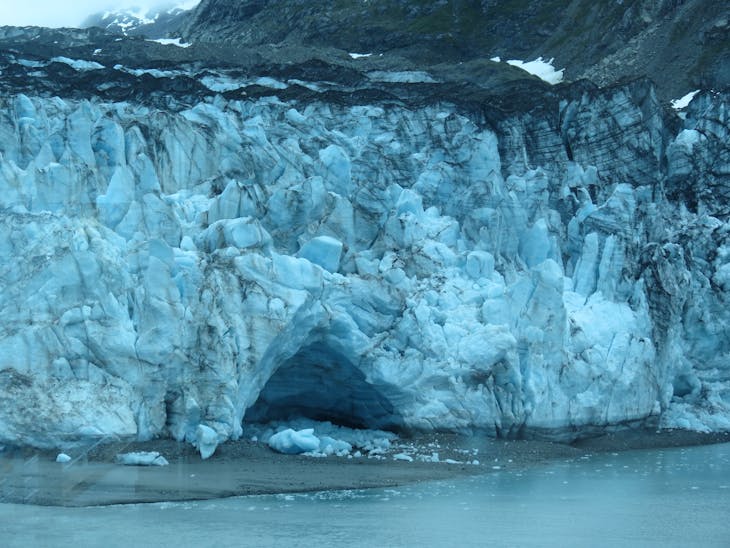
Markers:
point(680, 44)
point(152, 22)
point(197, 235)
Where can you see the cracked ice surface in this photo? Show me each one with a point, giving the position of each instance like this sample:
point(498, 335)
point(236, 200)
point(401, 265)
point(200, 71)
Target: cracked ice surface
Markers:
point(160, 268)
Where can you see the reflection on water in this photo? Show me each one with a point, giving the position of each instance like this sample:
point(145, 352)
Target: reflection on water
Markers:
point(672, 497)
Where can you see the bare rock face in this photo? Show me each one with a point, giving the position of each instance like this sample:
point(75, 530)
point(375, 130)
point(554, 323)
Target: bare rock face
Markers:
point(680, 44)
point(193, 238)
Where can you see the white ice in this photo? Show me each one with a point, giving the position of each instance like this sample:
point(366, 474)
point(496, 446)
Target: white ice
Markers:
point(78, 64)
point(159, 268)
point(142, 458)
point(206, 440)
point(684, 101)
point(332, 439)
point(541, 68)
point(292, 442)
point(186, 5)
point(171, 42)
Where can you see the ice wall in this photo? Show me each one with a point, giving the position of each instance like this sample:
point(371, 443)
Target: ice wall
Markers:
point(523, 278)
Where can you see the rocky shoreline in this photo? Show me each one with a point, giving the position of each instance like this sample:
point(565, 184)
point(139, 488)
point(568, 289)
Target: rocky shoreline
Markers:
point(243, 467)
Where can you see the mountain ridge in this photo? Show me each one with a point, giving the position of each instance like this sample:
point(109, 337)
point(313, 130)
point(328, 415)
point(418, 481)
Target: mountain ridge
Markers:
point(680, 44)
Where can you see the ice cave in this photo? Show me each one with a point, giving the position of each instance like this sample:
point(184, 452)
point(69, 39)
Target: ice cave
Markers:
point(322, 384)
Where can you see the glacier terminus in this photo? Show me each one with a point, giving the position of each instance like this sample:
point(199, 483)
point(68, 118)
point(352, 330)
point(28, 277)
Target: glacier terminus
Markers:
point(381, 251)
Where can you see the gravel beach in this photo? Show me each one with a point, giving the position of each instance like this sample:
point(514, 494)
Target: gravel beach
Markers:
point(244, 467)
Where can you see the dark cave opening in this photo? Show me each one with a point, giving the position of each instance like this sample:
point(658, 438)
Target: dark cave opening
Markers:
point(321, 384)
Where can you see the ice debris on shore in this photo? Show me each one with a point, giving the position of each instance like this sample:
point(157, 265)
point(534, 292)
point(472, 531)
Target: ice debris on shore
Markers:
point(321, 439)
point(206, 440)
point(142, 458)
point(293, 442)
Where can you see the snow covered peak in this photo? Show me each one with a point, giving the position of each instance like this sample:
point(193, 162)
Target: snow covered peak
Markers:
point(137, 20)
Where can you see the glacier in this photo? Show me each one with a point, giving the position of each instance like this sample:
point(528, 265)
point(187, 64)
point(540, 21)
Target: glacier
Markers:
point(552, 272)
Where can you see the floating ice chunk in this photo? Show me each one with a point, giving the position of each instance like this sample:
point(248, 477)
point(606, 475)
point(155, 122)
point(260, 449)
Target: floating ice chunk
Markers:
point(496, 59)
point(540, 68)
point(293, 442)
point(207, 440)
point(682, 102)
point(403, 457)
point(78, 64)
point(63, 458)
point(141, 458)
point(171, 42)
point(359, 55)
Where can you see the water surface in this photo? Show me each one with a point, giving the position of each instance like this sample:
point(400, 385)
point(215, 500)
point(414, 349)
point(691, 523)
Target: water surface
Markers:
point(670, 497)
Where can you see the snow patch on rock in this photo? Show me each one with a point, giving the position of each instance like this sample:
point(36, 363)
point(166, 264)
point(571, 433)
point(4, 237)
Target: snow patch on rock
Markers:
point(539, 67)
point(171, 42)
point(684, 101)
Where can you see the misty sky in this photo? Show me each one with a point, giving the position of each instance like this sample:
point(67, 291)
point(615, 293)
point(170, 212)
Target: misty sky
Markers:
point(64, 13)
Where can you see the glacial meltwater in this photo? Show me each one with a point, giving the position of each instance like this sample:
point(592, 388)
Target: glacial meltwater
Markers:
point(669, 497)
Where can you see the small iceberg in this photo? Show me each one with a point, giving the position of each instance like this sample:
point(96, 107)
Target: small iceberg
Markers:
point(142, 458)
